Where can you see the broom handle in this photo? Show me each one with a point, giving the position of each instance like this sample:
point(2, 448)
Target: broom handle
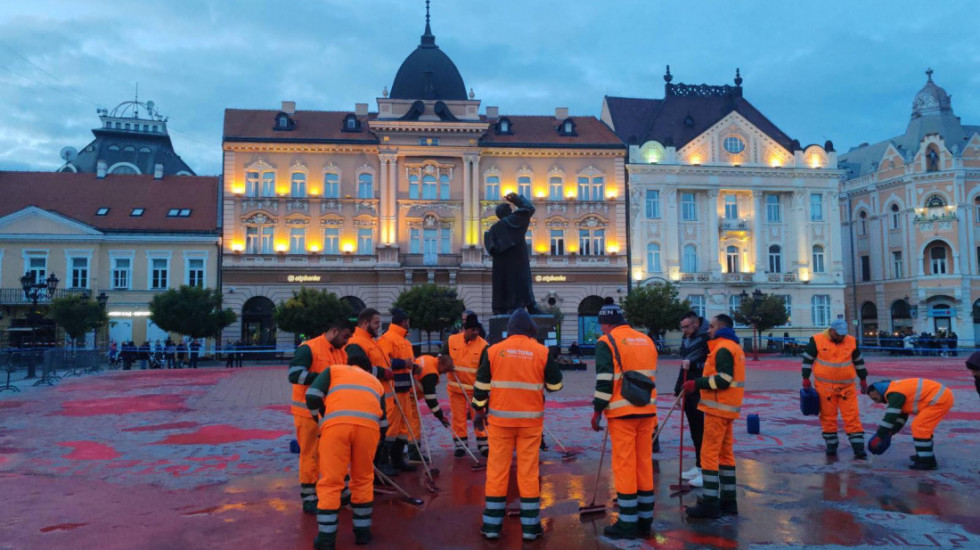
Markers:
point(670, 412)
point(680, 447)
point(602, 456)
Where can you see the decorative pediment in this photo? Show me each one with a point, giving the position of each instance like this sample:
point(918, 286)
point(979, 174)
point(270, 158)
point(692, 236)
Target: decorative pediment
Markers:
point(298, 166)
point(260, 218)
point(590, 171)
point(592, 222)
point(297, 220)
point(366, 169)
point(556, 171)
point(332, 220)
point(524, 171)
point(259, 164)
point(364, 221)
point(557, 222)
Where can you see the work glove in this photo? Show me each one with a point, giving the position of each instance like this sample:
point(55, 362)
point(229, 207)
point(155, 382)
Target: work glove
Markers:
point(387, 374)
point(689, 387)
point(596, 419)
point(806, 384)
point(416, 369)
point(480, 421)
point(879, 444)
point(864, 387)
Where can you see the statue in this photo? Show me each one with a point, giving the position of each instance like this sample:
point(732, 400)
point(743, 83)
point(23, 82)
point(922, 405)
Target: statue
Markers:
point(505, 242)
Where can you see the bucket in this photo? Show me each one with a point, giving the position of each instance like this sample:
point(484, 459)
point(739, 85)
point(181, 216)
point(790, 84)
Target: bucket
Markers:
point(753, 423)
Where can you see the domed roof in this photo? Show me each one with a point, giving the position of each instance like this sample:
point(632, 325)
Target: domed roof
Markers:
point(931, 100)
point(428, 73)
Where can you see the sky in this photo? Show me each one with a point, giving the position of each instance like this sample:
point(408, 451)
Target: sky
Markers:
point(840, 70)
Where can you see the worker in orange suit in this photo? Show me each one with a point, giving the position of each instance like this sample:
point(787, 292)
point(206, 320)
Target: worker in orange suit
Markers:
point(462, 352)
point(509, 395)
point(622, 349)
point(404, 424)
point(928, 400)
point(430, 371)
point(310, 359)
point(837, 366)
point(350, 408)
point(722, 388)
point(363, 343)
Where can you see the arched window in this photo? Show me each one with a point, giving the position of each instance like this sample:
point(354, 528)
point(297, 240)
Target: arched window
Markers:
point(932, 159)
point(297, 186)
point(935, 201)
point(937, 260)
point(653, 258)
point(268, 184)
point(818, 266)
point(775, 259)
point(689, 259)
point(862, 223)
point(895, 217)
point(524, 186)
point(731, 259)
point(365, 186)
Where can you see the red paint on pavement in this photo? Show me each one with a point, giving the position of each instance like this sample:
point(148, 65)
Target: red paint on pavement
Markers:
point(282, 408)
point(219, 434)
point(123, 405)
point(10, 404)
point(89, 450)
point(62, 527)
point(160, 427)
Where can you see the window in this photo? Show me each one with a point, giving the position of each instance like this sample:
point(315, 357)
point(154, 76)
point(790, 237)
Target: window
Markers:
point(79, 273)
point(734, 145)
point(731, 259)
point(590, 189)
point(251, 184)
point(775, 259)
point(350, 123)
point(568, 128)
point(252, 240)
point(102, 211)
point(444, 187)
point(37, 268)
point(862, 223)
point(653, 258)
point(820, 310)
point(195, 272)
point(865, 268)
point(159, 269)
point(430, 247)
point(774, 213)
point(415, 241)
point(937, 260)
point(689, 259)
point(556, 188)
point(689, 207)
point(731, 207)
point(976, 210)
point(445, 240)
point(429, 188)
point(697, 302)
point(895, 217)
point(557, 242)
point(297, 187)
point(268, 184)
point(331, 240)
point(818, 266)
point(413, 186)
point(935, 201)
point(492, 188)
point(592, 241)
point(283, 122)
point(788, 304)
point(297, 240)
point(504, 126)
point(121, 273)
point(816, 207)
point(653, 204)
point(173, 212)
point(897, 264)
point(185, 212)
point(137, 212)
point(365, 241)
point(734, 301)
point(524, 186)
point(268, 239)
point(331, 186)
point(365, 186)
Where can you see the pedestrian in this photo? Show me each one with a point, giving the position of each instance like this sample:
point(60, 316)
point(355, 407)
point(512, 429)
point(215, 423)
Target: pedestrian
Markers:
point(722, 388)
point(836, 363)
point(171, 352)
point(508, 395)
point(928, 400)
point(462, 352)
point(229, 354)
point(973, 363)
point(239, 353)
point(181, 354)
point(622, 350)
point(144, 353)
point(195, 353)
point(127, 353)
point(311, 358)
point(349, 403)
point(693, 353)
point(403, 419)
point(954, 342)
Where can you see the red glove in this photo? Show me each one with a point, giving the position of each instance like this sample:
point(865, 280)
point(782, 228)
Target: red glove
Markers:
point(596, 418)
point(480, 421)
point(387, 374)
point(864, 386)
point(806, 384)
point(689, 387)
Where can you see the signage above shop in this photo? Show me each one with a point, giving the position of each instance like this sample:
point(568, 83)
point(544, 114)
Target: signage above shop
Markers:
point(302, 278)
point(129, 314)
point(550, 278)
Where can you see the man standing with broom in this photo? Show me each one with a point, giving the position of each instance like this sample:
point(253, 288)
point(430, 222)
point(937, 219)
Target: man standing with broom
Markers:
point(693, 352)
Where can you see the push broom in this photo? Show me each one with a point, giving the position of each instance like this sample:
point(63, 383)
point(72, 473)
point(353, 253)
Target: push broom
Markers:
point(592, 507)
point(682, 487)
point(566, 455)
point(405, 496)
point(430, 482)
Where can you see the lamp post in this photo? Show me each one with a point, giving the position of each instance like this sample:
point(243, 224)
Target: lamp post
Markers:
point(102, 299)
point(33, 290)
point(757, 295)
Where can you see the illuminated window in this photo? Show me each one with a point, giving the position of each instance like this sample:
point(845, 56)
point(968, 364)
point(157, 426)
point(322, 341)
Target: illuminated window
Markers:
point(268, 184)
point(524, 186)
point(297, 186)
point(591, 189)
point(731, 207)
point(297, 240)
point(556, 188)
point(331, 186)
point(653, 258)
point(251, 184)
point(731, 257)
point(492, 188)
point(557, 242)
point(267, 239)
point(365, 186)
point(331, 240)
point(818, 266)
point(365, 241)
point(775, 259)
point(774, 212)
point(592, 242)
point(689, 207)
point(820, 310)
point(653, 204)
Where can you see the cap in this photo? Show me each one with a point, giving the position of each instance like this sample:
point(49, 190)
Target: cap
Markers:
point(398, 316)
point(839, 326)
point(471, 321)
point(611, 314)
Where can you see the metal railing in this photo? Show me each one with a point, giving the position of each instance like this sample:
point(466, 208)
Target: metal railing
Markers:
point(15, 296)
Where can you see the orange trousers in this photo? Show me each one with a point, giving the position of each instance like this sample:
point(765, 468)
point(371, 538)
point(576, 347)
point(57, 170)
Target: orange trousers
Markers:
point(503, 441)
point(924, 423)
point(346, 448)
point(459, 405)
point(307, 435)
point(717, 445)
point(632, 453)
point(397, 426)
point(839, 397)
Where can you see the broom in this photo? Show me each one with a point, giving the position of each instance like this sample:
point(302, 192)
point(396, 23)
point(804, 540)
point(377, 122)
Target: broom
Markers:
point(681, 487)
point(592, 507)
point(430, 482)
point(405, 496)
point(566, 455)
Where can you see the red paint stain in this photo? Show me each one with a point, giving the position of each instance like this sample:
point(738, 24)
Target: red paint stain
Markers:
point(62, 527)
point(89, 450)
point(707, 540)
point(219, 434)
point(10, 404)
point(160, 427)
point(123, 405)
point(281, 408)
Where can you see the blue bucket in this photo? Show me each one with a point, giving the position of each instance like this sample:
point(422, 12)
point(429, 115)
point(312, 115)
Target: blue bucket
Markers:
point(753, 423)
point(809, 402)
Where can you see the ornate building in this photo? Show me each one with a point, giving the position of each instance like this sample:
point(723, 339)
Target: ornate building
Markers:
point(365, 204)
point(911, 211)
point(723, 202)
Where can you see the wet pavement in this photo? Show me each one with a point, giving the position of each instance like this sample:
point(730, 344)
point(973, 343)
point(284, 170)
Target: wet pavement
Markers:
point(200, 459)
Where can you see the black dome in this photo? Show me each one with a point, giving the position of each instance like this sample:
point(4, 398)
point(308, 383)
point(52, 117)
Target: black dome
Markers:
point(428, 73)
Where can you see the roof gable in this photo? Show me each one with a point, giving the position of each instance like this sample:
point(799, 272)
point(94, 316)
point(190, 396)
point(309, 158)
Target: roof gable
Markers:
point(36, 221)
point(758, 146)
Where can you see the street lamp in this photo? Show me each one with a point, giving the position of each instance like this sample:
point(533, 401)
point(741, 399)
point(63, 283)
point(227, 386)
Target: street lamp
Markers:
point(102, 299)
point(757, 296)
point(33, 290)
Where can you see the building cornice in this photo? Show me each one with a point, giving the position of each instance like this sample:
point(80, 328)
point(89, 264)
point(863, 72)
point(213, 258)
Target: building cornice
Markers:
point(734, 171)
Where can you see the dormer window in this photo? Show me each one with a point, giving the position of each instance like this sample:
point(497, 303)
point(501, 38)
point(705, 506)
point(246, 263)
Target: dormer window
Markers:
point(284, 122)
point(137, 212)
point(102, 211)
point(567, 127)
point(504, 126)
point(351, 123)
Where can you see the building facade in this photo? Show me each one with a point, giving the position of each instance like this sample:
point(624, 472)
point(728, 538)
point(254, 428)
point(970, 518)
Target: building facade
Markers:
point(723, 202)
point(367, 203)
point(911, 212)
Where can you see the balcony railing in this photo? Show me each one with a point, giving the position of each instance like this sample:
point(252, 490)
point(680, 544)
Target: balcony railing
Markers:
point(15, 296)
point(692, 277)
point(737, 278)
point(734, 225)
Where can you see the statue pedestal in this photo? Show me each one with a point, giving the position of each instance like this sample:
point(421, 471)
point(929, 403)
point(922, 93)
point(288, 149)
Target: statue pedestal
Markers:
point(547, 328)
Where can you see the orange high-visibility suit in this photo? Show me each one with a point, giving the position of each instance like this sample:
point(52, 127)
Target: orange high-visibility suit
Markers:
point(510, 382)
point(395, 344)
point(836, 370)
point(459, 383)
point(310, 359)
point(350, 405)
point(361, 343)
point(929, 401)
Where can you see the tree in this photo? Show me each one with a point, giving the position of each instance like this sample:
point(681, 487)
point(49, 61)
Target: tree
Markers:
point(309, 312)
point(654, 307)
point(77, 314)
point(431, 308)
point(762, 312)
point(191, 311)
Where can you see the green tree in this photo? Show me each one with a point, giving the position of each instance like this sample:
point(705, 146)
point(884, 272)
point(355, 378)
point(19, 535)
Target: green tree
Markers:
point(191, 311)
point(762, 312)
point(431, 308)
point(654, 307)
point(309, 312)
point(77, 314)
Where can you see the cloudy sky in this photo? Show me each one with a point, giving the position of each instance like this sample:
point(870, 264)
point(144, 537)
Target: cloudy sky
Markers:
point(839, 70)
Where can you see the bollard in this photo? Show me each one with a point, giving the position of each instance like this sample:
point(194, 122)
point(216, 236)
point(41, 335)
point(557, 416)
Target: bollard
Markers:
point(753, 423)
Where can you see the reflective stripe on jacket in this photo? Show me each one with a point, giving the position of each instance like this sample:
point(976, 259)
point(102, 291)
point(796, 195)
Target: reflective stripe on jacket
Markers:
point(726, 403)
point(466, 359)
point(324, 355)
point(377, 356)
point(919, 393)
point(639, 354)
point(834, 363)
point(395, 344)
point(517, 382)
point(354, 397)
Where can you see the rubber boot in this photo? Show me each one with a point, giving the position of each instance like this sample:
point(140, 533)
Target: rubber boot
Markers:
point(705, 508)
point(325, 542)
point(460, 451)
point(413, 454)
point(622, 530)
point(830, 438)
point(729, 507)
point(382, 459)
point(924, 464)
point(308, 494)
point(398, 458)
point(362, 536)
point(644, 527)
point(857, 445)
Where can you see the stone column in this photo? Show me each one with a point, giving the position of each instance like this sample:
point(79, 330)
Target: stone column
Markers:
point(802, 230)
point(383, 236)
point(713, 265)
point(758, 239)
point(833, 246)
point(670, 237)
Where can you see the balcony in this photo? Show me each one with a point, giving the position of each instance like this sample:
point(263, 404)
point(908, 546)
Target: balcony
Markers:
point(15, 296)
point(702, 277)
point(431, 260)
point(734, 226)
point(738, 278)
point(781, 277)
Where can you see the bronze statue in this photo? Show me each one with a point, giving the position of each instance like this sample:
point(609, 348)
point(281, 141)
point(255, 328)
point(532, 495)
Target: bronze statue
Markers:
point(505, 241)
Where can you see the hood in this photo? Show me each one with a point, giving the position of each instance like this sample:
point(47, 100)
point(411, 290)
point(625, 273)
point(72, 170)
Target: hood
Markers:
point(520, 322)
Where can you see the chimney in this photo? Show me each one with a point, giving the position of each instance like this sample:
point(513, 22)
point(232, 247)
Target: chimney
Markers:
point(158, 171)
point(493, 112)
point(289, 107)
point(561, 113)
point(100, 169)
point(361, 109)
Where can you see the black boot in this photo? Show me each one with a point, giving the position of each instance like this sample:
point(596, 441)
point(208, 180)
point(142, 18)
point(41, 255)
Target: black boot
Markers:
point(644, 526)
point(324, 542)
point(398, 458)
point(383, 461)
point(927, 463)
point(362, 536)
point(729, 507)
point(621, 530)
point(710, 509)
point(414, 455)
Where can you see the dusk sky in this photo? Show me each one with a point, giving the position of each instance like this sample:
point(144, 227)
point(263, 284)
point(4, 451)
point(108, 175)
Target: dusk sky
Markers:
point(840, 70)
